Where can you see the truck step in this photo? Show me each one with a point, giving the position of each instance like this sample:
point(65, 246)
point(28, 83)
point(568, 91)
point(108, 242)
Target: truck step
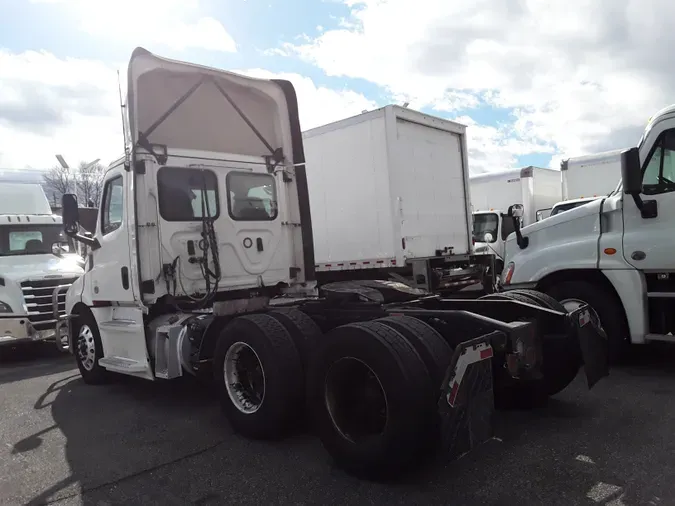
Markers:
point(121, 326)
point(668, 338)
point(121, 364)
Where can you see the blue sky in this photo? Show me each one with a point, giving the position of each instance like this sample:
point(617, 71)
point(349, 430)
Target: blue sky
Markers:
point(257, 26)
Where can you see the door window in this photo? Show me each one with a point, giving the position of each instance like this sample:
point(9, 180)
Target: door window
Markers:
point(182, 191)
point(251, 197)
point(113, 205)
point(659, 173)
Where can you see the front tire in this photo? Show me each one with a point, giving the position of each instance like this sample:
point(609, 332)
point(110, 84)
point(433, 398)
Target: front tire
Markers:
point(605, 304)
point(88, 349)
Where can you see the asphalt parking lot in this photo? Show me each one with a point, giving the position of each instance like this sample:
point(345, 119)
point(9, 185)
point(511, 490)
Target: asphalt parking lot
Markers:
point(137, 442)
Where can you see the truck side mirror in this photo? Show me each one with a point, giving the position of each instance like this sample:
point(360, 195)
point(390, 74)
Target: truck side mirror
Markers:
point(631, 178)
point(515, 212)
point(70, 212)
point(631, 175)
point(487, 237)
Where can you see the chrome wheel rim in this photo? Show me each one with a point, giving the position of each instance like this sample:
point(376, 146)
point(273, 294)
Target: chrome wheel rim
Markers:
point(86, 348)
point(244, 378)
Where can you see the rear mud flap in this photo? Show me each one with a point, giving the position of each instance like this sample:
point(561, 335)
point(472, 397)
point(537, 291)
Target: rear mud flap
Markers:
point(593, 343)
point(466, 406)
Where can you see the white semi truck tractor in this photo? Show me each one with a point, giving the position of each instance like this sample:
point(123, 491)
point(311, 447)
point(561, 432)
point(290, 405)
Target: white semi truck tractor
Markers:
point(202, 263)
point(615, 253)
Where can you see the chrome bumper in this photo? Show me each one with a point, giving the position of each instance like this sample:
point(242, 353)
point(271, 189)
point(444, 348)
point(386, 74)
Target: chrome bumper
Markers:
point(19, 330)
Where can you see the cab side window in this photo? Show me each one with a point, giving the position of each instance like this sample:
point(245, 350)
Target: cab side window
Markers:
point(113, 205)
point(659, 174)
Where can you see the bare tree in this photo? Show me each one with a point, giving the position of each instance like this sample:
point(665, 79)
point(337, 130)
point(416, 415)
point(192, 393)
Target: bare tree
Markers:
point(86, 182)
point(89, 181)
point(58, 180)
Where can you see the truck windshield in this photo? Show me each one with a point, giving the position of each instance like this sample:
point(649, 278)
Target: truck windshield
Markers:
point(483, 223)
point(29, 239)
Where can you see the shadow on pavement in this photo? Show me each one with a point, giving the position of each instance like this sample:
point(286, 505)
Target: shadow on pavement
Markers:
point(31, 360)
point(138, 442)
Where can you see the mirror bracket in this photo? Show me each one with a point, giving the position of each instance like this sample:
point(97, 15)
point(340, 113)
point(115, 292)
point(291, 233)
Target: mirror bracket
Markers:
point(92, 242)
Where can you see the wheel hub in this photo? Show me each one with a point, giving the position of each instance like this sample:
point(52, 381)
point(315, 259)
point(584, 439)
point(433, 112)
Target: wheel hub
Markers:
point(86, 348)
point(244, 378)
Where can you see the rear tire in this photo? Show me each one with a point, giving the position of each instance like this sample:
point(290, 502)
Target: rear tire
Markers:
point(542, 299)
point(434, 351)
point(606, 306)
point(88, 349)
point(562, 357)
point(379, 426)
point(561, 360)
point(305, 333)
point(264, 384)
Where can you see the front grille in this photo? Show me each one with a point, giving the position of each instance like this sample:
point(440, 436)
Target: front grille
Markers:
point(38, 296)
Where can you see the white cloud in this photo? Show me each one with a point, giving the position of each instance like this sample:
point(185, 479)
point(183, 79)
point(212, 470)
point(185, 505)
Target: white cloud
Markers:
point(49, 106)
point(177, 24)
point(71, 106)
point(581, 76)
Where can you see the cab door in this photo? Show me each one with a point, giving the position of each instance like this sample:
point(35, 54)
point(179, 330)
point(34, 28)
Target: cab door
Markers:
point(649, 243)
point(111, 269)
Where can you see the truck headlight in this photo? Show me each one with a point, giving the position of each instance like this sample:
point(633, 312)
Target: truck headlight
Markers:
point(5, 308)
point(508, 273)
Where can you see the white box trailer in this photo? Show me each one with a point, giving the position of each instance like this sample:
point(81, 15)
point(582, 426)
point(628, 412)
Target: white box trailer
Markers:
point(584, 179)
point(386, 187)
point(591, 175)
point(533, 188)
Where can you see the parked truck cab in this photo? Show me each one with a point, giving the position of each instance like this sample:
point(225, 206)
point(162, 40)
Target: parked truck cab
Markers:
point(35, 258)
point(490, 230)
point(614, 253)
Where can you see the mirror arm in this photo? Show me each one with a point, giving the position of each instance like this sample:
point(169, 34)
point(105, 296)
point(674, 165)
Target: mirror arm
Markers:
point(523, 242)
point(92, 242)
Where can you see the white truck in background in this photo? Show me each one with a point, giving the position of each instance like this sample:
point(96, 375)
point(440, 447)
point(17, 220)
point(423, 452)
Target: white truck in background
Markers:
point(202, 263)
point(34, 259)
point(529, 189)
point(388, 191)
point(615, 253)
point(584, 179)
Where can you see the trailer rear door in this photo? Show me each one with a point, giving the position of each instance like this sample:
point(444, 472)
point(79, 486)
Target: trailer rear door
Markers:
point(429, 185)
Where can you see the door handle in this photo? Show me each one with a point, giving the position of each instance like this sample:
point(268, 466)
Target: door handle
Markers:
point(125, 277)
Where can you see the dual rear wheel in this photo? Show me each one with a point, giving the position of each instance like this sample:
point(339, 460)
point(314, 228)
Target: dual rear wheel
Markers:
point(369, 389)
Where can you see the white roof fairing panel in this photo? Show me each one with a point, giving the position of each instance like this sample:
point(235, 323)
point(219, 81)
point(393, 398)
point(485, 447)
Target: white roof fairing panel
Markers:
point(205, 120)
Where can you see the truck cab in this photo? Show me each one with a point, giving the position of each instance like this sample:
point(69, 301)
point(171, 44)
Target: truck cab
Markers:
point(490, 230)
point(35, 258)
point(190, 218)
point(614, 253)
